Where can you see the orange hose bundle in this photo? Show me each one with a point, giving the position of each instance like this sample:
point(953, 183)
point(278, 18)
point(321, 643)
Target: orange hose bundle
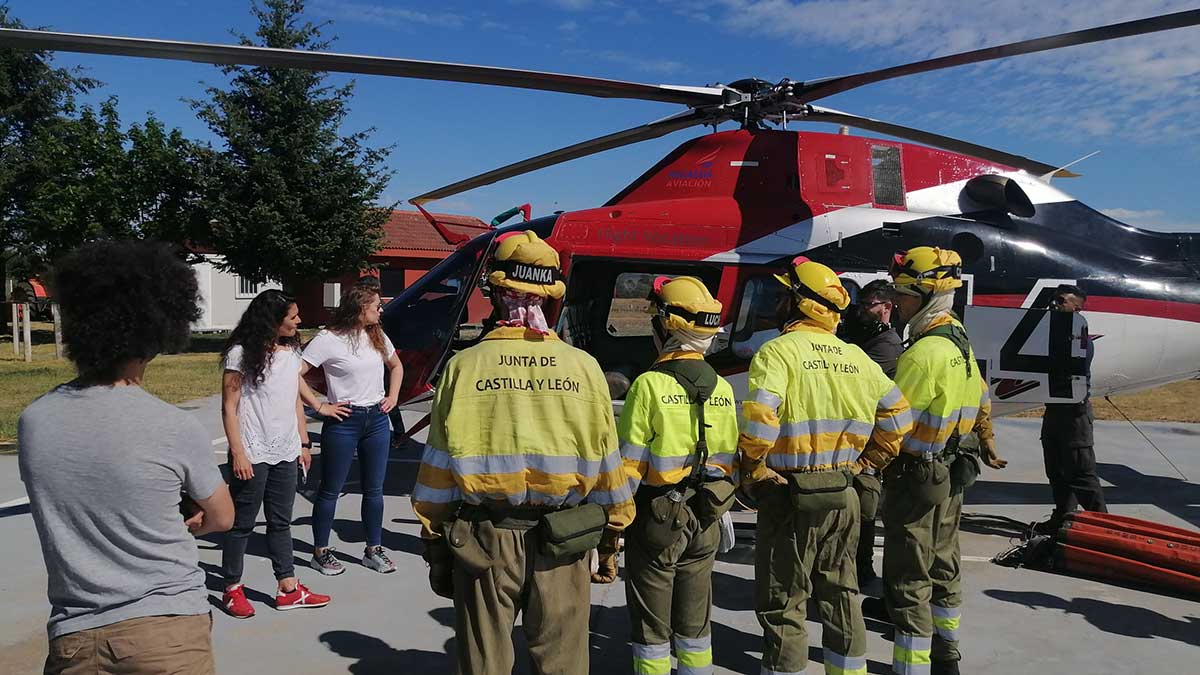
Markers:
point(1151, 550)
point(1129, 550)
point(1136, 526)
point(1108, 566)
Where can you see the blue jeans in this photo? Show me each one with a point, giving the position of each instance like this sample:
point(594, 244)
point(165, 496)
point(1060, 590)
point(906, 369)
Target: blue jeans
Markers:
point(365, 430)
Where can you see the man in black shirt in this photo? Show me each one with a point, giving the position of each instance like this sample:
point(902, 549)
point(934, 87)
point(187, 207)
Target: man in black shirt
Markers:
point(868, 324)
point(1067, 444)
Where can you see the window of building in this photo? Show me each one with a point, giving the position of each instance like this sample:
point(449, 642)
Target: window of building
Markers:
point(391, 282)
point(246, 288)
point(885, 175)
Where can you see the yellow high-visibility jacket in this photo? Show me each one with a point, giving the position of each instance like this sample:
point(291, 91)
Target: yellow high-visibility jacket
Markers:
point(813, 404)
point(944, 399)
point(521, 418)
point(659, 428)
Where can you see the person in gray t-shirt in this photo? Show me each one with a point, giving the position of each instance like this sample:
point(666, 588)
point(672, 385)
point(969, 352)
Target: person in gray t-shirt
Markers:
point(105, 463)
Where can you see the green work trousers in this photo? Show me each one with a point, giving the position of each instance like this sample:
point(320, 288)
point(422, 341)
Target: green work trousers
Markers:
point(802, 554)
point(921, 573)
point(669, 594)
point(553, 597)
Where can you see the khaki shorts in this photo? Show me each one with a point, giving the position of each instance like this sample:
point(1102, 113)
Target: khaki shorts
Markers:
point(149, 645)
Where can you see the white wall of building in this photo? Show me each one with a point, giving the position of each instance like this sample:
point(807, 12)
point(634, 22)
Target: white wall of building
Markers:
point(223, 295)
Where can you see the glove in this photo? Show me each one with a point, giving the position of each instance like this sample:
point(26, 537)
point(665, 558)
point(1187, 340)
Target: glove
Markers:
point(441, 567)
point(606, 573)
point(988, 453)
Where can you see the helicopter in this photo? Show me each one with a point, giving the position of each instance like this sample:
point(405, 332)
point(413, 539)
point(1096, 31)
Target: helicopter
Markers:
point(732, 207)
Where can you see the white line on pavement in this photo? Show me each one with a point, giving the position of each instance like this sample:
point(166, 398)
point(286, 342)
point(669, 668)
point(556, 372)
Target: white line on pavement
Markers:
point(219, 441)
point(16, 502)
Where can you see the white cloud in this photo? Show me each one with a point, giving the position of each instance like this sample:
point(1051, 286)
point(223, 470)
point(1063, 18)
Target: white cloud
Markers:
point(385, 15)
point(640, 63)
point(1145, 88)
point(1151, 219)
point(1132, 214)
point(569, 26)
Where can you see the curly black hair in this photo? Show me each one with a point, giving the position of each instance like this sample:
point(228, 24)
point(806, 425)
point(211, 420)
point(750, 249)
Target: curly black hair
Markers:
point(123, 300)
point(258, 332)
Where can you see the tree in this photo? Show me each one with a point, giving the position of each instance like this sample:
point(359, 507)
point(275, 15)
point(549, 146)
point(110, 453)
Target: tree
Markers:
point(33, 96)
point(290, 198)
point(71, 174)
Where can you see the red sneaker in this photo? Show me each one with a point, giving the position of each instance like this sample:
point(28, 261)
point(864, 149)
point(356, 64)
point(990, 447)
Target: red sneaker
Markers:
point(236, 604)
point(301, 597)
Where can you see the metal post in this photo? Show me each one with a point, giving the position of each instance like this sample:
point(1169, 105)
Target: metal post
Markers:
point(58, 344)
point(16, 324)
point(28, 331)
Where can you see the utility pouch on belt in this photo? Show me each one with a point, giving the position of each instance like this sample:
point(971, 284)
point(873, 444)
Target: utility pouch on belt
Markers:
point(964, 470)
point(929, 483)
point(571, 532)
point(820, 492)
point(469, 542)
point(713, 498)
point(666, 521)
point(868, 488)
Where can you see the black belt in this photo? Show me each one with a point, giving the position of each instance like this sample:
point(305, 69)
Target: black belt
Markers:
point(375, 407)
point(506, 516)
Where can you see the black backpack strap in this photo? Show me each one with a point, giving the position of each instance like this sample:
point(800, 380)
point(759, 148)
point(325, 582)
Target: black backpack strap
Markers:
point(699, 380)
point(956, 335)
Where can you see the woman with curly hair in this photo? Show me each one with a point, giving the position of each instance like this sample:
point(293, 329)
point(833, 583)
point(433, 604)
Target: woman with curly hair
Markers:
point(268, 440)
point(354, 352)
point(105, 464)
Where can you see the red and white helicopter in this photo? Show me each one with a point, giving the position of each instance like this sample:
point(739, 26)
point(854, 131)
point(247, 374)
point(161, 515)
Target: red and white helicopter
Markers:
point(731, 207)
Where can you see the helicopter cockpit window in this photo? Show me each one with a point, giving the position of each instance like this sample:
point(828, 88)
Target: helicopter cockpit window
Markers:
point(885, 175)
point(760, 313)
point(628, 315)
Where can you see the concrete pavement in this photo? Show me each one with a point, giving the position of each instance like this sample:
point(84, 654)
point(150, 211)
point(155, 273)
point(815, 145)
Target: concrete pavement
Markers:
point(1013, 620)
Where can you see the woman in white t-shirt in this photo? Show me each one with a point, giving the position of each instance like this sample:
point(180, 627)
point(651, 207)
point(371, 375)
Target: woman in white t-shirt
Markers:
point(268, 437)
point(354, 353)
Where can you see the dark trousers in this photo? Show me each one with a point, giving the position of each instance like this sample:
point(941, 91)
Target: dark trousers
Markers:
point(366, 433)
point(273, 486)
point(865, 556)
point(1073, 479)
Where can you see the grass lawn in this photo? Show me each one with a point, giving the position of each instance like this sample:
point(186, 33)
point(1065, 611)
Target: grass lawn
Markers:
point(175, 378)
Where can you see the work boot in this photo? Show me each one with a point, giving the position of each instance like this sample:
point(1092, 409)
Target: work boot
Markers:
point(874, 608)
point(943, 668)
point(1048, 527)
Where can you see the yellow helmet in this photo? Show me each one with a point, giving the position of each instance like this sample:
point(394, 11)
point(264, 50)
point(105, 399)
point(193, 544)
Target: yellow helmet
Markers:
point(926, 269)
point(685, 303)
point(818, 290)
point(523, 262)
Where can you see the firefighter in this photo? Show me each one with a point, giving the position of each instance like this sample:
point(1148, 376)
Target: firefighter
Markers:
point(679, 457)
point(521, 433)
point(1067, 445)
point(923, 503)
point(868, 324)
point(818, 411)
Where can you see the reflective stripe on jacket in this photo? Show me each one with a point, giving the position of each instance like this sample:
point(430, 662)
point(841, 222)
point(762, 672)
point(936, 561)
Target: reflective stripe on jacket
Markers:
point(813, 404)
point(658, 429)
point(525, 419)
point(944, 399)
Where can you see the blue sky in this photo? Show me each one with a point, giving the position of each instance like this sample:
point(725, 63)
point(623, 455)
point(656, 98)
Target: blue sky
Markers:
point(1136, 100)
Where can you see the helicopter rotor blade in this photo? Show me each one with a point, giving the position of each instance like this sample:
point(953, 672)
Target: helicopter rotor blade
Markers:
point(229, 55)
point(816, 89)
point(645, 132)
point(819, 114)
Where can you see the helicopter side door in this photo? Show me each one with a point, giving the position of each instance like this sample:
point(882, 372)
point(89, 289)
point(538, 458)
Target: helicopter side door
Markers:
point(606, 312)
